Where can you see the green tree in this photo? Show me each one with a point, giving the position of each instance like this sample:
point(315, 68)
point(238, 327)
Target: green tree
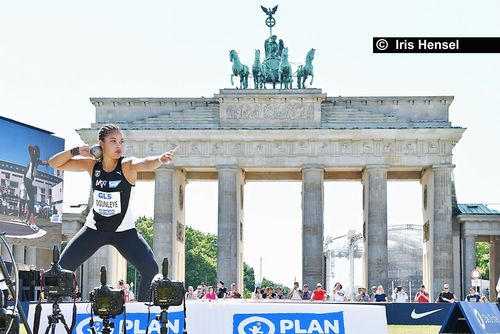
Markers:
point(268, 283)
point(145, 228)
point(201, 257)
point(483, 259)
point(248, 280)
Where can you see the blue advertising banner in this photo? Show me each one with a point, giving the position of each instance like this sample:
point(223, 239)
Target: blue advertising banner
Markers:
point(480, 318)
point(135, 323)
point(288, 323)
point(417, 313)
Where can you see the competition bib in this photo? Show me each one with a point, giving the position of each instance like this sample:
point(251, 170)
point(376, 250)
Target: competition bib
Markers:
point(107, 204)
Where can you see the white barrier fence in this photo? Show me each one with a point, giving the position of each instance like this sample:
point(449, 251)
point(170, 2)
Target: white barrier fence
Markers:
point(233, 317)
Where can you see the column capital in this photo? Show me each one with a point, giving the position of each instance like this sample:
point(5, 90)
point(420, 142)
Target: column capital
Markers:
point(165, 168)
point(443, 167)
point(230, 167)
point(311, 167)
point(376, 168)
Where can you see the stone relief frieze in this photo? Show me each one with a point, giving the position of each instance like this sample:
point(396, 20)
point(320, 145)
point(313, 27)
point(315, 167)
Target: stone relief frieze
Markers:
point(345, 147)
point(237, 149)
point(368, 147)
point(324, 148)
point(408, 148)
point(280, 148)
point(194, 148)
point(433, 147)
point(217, 148)
point(259, 148)
point(301, 148)
point(131, 149)
point(270, 111)
point(294, 148)
point(388, 148)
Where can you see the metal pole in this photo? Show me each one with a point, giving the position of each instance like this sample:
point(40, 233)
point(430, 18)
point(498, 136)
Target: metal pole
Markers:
point(260, 278)
point(409, 296)
point(10, 284)
point(350, 236)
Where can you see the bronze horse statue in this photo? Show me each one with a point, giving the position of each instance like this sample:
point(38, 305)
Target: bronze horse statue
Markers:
point(306, 70)
point(285, 70)
point(257, 71)
point(239, 70)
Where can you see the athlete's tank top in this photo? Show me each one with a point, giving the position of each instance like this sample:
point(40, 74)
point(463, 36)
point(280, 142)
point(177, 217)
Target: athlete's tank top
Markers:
point(112, 194)
point(30, 171)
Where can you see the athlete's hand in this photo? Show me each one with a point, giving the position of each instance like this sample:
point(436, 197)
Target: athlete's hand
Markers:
point(167, 157)
point(85, 151)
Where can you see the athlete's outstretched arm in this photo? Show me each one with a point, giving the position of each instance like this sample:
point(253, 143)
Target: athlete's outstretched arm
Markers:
point(76, 159)
point(152, 162)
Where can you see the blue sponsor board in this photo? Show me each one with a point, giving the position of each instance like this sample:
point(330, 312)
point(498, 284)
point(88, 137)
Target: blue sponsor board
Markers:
point(135, 323)
point(416, 313)
point(467, 317)
point(271, 323)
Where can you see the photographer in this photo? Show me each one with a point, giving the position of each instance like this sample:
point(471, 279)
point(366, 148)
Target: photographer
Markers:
point(399, 295)
point(422, 296)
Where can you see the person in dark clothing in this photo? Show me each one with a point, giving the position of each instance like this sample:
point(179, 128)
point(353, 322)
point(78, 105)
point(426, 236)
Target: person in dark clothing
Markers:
point(110, 222)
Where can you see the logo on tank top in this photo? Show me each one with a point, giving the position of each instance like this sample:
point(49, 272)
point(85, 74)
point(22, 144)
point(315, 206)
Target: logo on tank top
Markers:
point(101, 183)
point(107, 204)
point(114, 184)
point(97, 173)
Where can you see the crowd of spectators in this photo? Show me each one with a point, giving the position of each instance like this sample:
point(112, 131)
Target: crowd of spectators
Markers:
point(376, 294)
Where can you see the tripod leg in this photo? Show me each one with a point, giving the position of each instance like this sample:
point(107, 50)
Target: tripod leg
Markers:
point(10, 285)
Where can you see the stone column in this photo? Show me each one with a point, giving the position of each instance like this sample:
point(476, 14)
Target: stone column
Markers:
point(442, 228)
point(497, 264)
point(230, 225)
point(5, 252)
point(469, 258)
point(375, 225)
point(169, 232)
point(493, 268)
point(91, 276)
point(31, 256)
point(438, 233)
point(312, 225)
point(18, 251)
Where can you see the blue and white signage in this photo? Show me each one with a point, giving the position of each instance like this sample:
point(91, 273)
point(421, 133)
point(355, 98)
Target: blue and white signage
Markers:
point(283, 323)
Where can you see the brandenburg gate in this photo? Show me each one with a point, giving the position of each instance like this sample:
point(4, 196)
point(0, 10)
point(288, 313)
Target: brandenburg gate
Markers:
point(295, 134)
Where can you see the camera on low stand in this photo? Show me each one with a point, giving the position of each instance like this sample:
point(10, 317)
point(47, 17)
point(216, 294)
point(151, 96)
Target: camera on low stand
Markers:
point(8, 319)
point(58, 283)
point(166, 293)
point(107, 302)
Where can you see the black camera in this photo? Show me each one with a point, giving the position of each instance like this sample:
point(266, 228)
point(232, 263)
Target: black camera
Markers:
point(107, 301)
point(58, 282)
point(9, 318)
point(166, 292)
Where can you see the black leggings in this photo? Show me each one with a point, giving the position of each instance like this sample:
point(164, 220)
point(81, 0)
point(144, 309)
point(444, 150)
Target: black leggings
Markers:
point(129, 243)
point(30, 191)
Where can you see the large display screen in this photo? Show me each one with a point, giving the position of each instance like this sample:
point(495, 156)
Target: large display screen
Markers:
point(31, 192)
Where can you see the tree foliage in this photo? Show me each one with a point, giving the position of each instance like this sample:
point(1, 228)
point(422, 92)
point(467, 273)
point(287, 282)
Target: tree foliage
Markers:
point(268, 283)
point(483, 259)
point(201, 257)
